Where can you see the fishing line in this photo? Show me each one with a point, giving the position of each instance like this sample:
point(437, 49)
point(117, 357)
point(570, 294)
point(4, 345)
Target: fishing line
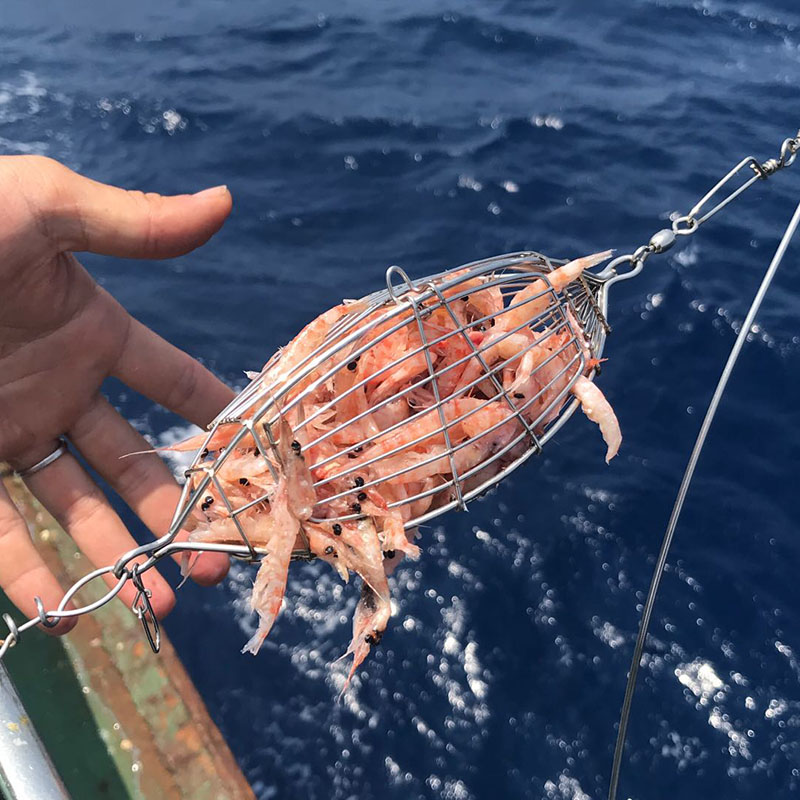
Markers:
point(682, 491)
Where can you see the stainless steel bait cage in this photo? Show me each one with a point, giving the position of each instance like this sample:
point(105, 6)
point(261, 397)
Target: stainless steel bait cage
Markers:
point(407, 303)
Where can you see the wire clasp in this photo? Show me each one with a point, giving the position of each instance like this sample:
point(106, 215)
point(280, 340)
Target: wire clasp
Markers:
point(687, 224)
point(143, 609)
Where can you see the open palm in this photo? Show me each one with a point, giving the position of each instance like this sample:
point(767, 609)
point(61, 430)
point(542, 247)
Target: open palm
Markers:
point(61, 335)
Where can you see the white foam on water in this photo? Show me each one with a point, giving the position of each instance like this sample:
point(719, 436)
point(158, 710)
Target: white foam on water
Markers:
point(687, 256)
point(24, 148)
point(460, 673)
point(469, 182)
point(20, 100)
point(547, 121)
point(608, 634)
point(172, 121)
point(564, 787)
point(686, 751)
point(710, 692)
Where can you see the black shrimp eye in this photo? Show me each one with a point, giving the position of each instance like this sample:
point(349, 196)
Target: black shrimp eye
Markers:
point(362, 495)
point(356, 507)
point(352, 455)
point(204, 507)
point(296, 447)
point(244, 481)
point(359, 481)
point(337, 528)
point(204, 454)
point(388, 553)
point(519, 395)
point(358, 449)
point(370, 639)
point(352, 365)
point(209, 500)
point(328, 550)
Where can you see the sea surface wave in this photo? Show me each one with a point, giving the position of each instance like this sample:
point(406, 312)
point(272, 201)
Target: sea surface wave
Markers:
point(355, 135)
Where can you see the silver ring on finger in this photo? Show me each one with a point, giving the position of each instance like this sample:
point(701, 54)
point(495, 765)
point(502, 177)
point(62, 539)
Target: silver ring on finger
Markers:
point(46, 461)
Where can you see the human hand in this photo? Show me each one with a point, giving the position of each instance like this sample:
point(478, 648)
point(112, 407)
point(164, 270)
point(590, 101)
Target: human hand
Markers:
point(61, 335)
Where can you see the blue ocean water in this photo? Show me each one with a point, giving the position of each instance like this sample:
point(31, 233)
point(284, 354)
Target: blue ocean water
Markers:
point(356, 134)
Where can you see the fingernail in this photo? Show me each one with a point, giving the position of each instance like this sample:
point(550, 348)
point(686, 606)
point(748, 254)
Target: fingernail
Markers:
point(212, 192)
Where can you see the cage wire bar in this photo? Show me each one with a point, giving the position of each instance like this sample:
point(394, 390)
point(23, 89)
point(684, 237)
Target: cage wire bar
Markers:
point(579, 312)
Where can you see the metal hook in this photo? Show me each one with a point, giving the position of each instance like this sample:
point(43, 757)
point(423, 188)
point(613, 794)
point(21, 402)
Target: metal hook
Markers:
point(44, 620)
point(390, 273)
point(142, 606)
point(13, 634)
point(611, 274)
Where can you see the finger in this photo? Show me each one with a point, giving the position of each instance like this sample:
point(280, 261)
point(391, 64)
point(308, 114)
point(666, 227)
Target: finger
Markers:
point(23, 573)
point(144, 482)
point(170, 377)
point(81, 214)
point(65, 489)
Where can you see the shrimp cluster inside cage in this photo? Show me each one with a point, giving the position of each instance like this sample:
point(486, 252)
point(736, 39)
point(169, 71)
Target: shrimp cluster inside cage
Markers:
point(387, 411)
point(408, 402)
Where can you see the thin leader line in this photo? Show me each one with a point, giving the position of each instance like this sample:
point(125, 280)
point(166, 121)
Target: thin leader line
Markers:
point(682, 491)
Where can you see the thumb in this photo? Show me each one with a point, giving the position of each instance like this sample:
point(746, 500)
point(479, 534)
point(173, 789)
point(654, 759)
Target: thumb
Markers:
point(81, 214)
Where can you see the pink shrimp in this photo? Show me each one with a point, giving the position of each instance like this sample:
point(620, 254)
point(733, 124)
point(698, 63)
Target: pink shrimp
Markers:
point(270, 583)
point(307, 341)
point(221, 437)
point(352, 423)
point(369, 623)
point(374, 608)
point(402, 373)
point(551, 378)
point(300, 485)
point(475, 418)
point(383, 351)
point(426, 426)
point(535, 299)
point(395, 538)
point(478, 299)
point(327, 546)
point(499, 345)
point(598, 409)
point(442, 331)
point(419, 506)
point(412, 465)
point(527, 380)
point(392, 413)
